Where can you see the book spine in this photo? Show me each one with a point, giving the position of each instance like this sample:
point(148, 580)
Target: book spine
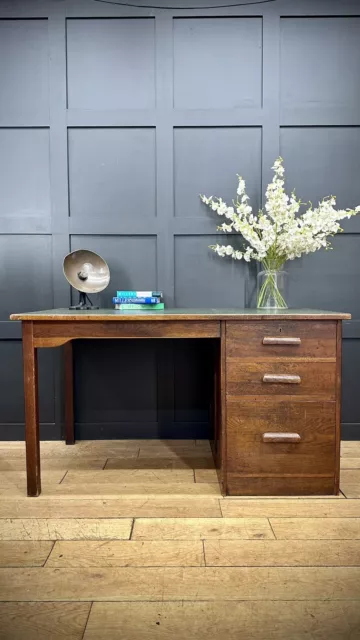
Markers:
point(143, 300)
point(140, 307)
point(139, 294)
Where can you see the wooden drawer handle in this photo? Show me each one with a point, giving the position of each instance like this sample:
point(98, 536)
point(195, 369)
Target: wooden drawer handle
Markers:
point(283, 378)
point(282, 340)
point(281, 437)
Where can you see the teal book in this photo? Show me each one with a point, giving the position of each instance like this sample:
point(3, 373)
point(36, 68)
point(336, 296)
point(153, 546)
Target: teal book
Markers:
point(139, 294)
point(140, 307)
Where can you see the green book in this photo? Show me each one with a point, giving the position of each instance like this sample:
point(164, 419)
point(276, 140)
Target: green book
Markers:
point(140, 307)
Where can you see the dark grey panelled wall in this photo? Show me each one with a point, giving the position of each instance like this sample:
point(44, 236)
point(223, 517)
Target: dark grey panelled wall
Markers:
point(112, 121)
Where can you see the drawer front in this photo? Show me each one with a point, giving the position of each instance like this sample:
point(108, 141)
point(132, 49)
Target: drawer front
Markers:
point(262, 378)
point(272, 437)
point(127, 329)
point(281, 339)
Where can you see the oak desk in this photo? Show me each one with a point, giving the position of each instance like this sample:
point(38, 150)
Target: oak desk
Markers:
point(277, 388)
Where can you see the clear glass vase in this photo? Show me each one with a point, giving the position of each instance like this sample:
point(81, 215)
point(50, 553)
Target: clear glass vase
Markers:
point(272, 287)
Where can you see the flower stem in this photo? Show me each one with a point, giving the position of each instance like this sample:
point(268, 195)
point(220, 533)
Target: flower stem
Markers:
point(270, 292)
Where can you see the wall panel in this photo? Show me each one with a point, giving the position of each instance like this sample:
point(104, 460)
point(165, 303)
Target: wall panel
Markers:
point(320, 59)
point(200, 275)
point(26, 274)
point(350, 395)
point(25, 172)
point(316, 276)
point(112, 172)
point(132, 262)
point(24, 77)
point(321, 161)
point(193, 367)
point(11, 378)
point(217, 63)
point(207, 161)
point(115, 383)
point(111, 63)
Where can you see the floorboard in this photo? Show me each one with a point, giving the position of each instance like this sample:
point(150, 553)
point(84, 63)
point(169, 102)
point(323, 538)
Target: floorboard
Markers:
point(290, 508)
point(63, 463)
point(110, 490)
point(201, 529)
point(127, 553)
point(180, 583)
point(159, 462)
point(124, 476)
point(224, 620)
point(278, 553)
point(42, 620)
point(65, 529)
point(24, 553)
point(161, 506)
point(316, 528)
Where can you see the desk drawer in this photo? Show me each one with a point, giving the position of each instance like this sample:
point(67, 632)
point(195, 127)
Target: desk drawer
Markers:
point(302, 440)
point(281, 339)
point(272, 378)
point(46, 332)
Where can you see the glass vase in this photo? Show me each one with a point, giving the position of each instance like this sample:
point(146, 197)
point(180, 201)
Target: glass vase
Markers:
point(272, 287)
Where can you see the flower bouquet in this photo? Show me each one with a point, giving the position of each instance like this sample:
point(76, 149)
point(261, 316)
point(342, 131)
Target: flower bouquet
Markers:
point(278, 234)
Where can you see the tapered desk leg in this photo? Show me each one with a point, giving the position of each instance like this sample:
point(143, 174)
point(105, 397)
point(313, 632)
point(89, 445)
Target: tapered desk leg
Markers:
point(69, 394)
point(31, 411)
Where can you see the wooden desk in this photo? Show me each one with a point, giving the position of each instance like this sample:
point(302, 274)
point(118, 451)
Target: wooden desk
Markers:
point(277, 388)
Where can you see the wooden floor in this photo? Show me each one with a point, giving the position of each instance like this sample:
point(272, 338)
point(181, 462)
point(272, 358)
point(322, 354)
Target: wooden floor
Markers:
point(132, 540)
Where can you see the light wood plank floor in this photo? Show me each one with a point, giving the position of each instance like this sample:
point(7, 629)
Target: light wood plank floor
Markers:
point(131, 540)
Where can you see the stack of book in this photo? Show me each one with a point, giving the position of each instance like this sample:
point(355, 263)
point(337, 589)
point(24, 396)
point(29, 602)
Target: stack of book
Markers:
point(139, 300)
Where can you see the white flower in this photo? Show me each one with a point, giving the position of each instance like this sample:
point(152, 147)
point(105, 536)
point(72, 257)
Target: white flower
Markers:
point(248, 253)
point(225, 227)
point(278, 168)
point(279, 232)
point(222, 208)
point(230, 213)
point(241, 186)
point(220, 250)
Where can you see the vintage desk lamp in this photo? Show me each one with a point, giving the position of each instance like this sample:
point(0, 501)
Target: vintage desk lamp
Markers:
point(87, 272)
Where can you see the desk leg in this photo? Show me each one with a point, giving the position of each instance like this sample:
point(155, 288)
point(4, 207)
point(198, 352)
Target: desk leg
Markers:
point(69, 394)
point(219, 394)
point(31, 411)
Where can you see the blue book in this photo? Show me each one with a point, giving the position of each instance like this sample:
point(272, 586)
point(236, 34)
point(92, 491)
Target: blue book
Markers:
point(144, 300)
point(139, 294)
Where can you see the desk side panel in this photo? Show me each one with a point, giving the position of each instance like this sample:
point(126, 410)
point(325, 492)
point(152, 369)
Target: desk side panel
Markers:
point(338, 405)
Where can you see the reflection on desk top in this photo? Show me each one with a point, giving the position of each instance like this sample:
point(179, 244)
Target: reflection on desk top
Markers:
point(109, 315)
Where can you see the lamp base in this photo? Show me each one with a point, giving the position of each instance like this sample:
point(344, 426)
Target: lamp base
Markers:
point(84, 303)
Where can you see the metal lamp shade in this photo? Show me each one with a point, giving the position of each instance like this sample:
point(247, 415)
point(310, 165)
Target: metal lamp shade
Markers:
point(86, 271)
